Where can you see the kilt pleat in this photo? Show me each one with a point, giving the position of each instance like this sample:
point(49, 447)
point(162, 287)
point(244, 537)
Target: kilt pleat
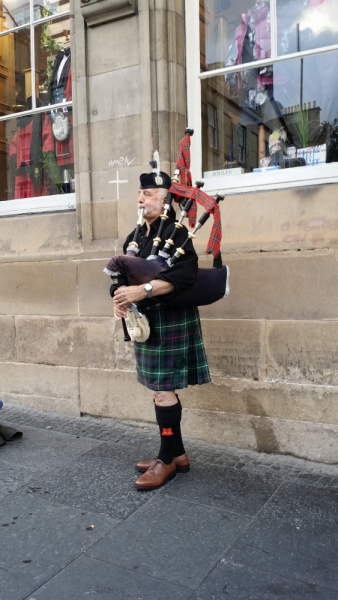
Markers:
point(173, 357)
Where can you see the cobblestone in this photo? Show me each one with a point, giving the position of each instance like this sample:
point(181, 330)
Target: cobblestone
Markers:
point(145, 435)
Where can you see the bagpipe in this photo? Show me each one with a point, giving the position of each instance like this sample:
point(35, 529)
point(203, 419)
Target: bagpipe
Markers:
point(211, 284)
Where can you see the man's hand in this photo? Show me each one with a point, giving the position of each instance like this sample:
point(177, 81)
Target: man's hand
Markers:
point(124, 296)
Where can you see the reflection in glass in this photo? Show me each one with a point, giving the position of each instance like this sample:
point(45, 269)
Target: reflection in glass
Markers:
point(37, 155)
point(53, 61)
point(44, 8)
point(306, 25)
point(290, 122)
point(233, 32)
point(13, 13)
point(15, 72)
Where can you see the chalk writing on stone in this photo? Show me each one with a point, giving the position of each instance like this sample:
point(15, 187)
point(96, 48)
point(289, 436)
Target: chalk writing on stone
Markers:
point(123, 160)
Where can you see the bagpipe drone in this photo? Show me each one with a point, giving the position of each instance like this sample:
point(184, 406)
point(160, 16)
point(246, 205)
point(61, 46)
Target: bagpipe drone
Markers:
point(211, 284)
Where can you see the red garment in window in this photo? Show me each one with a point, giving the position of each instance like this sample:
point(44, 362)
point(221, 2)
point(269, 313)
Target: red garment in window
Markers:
point(20, 148)
point(68, 88)
point(26, 188)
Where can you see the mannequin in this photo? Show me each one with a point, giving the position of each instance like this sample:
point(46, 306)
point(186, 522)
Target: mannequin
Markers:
point(60, 133)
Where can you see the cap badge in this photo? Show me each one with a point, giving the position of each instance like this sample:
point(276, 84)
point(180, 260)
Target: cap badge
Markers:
point(158, 180)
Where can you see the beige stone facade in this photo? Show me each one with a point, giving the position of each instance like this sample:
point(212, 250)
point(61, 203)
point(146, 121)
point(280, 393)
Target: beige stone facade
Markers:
point(272, 345)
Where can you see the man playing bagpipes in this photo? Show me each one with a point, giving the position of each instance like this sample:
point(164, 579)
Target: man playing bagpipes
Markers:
point(173, 356)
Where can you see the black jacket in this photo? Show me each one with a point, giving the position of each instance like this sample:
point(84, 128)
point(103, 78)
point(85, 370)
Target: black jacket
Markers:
point(183, 274)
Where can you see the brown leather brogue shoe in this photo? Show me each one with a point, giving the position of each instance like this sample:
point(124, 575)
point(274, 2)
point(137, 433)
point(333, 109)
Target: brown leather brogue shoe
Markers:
point(181, 462)
point(156, 476)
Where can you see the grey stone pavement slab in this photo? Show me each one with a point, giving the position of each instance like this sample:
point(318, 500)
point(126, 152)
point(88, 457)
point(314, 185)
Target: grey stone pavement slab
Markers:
point(238, 582)
point(13, 476)
point(179, 541)
point(38, 539)
point(87, 577)
point(226, 489)
point(240, 524)
point(295, 535)
point(101, 480)
point(43, 451)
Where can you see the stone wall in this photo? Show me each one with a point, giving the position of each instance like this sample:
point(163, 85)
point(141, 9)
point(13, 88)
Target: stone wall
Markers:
point(271, 345)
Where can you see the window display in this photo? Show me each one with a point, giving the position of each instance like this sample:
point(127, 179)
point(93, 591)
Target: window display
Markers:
point(292, 122)
point(40, 155)
point(36, 148)
point(277, 115)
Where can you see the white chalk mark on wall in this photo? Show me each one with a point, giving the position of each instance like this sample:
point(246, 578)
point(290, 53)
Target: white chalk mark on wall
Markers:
point(120, 161)
point(118, 181)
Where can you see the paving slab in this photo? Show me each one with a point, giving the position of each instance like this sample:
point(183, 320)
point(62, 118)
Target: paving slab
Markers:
point(87, 577)
point(295, 535)
point(45, 448)
point(237, 582)
point(101, 480)
point(15, 476)
point(38, 538)
point(226, 489)
point(171, 539)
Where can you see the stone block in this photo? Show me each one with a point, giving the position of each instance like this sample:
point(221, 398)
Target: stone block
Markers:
point(52, 234)
point(105, 189)
point(291, 285)
point(39, 288)
point(113, 46)
point(7, 339)
point(115, 394)
point(303, 352)
point(125, 356)
point(115, 94)
point(68, 342)
point(300, 218)
point(116, 143)
point(40, 386)
point(312, 441)
point(265, 399)
point(105, 224)
point(233, 347)
point(94, 297)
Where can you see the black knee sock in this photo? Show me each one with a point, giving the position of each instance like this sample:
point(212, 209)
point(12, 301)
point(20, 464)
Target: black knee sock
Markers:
point(178, 442)
point(168, 417)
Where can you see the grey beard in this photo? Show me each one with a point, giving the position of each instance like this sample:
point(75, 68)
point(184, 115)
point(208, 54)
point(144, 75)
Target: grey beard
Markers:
point(157, 206)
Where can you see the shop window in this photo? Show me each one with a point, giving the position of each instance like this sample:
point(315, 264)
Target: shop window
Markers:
point(269, 67)
point(36, 123)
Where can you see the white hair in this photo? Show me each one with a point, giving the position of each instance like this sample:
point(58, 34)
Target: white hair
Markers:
point(162, 193)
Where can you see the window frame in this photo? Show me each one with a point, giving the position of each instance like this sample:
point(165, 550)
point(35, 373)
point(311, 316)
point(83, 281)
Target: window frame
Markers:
point(38, 204)
point(313, 175)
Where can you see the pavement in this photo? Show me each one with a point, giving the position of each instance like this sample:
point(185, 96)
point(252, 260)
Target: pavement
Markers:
point(240, 525)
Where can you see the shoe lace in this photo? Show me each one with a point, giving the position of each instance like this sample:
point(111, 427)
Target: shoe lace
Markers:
point(155, 465)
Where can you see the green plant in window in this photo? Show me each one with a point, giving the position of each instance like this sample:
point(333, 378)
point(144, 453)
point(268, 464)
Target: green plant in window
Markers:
point(49, 164)
point(303, 128)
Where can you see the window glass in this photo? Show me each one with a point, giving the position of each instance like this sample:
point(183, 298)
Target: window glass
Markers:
point(13, 13)
point(15, 72)
point(53, 61)
point(306, 25)
point(44, 8)
point(234, 32)
point(273, 118)
point(37, 155)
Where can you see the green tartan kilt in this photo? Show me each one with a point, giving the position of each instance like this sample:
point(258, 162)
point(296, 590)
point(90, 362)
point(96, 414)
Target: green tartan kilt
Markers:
point(173, 357)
